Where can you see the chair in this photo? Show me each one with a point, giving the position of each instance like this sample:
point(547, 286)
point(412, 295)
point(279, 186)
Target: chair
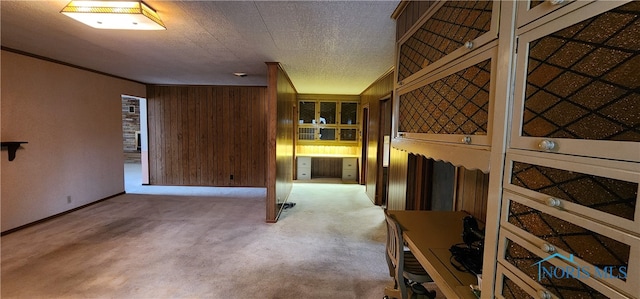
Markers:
point(403, 266)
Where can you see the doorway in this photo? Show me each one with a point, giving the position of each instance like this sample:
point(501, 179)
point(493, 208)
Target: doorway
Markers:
point(135, 141)
point(384, 148)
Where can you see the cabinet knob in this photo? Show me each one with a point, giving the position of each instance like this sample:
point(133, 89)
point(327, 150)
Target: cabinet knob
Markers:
point(553, 202)
point(548, 248)
point(466, 140)
point(547, 145)
point(543, 294)
point(556, 2)
point(468, 45)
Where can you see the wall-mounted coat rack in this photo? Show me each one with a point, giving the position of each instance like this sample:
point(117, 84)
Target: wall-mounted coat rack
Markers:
point(12, 146)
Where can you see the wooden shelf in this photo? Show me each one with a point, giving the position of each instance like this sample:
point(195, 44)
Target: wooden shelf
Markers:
point(12, 146)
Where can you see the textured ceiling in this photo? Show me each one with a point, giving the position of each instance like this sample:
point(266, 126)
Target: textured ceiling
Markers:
point(326, 47)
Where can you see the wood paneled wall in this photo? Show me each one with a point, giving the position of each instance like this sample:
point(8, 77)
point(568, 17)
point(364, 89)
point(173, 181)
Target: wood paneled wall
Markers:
point(397, 179)
point(207, 135)
point(326, 167)
point(472, 192)
point(412, 12)
point(280, 147)
point(372, 96)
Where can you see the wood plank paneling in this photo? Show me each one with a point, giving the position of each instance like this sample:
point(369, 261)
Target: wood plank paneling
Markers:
point(472, 192)
point(410, 15)
point(203, 135)
point(398, 164)
point(280, 100)
point(372, 96)
point(326, 167)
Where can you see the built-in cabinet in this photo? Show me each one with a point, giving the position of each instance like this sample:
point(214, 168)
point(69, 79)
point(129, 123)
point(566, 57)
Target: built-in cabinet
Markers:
point(543, 96)
point(569, 214)
point(576, 83)
point(327, 120)
point(309, 167)
point(448, 30)
point(350, 169)
point(304, 168)
point(445, 87)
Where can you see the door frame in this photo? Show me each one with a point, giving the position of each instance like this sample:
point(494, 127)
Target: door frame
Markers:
point(364, 144)
point(382, 185)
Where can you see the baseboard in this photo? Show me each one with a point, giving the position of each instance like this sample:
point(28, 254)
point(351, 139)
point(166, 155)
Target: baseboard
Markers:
point(58, 215)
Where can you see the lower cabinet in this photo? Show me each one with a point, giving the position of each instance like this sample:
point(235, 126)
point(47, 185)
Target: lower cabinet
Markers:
point(554, 245)
point(349, 169)
point(304, 168)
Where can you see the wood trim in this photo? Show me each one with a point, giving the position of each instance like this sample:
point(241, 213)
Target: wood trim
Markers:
point(399, 9)
point(66, 64)
point(13, 230)
point(272, 106)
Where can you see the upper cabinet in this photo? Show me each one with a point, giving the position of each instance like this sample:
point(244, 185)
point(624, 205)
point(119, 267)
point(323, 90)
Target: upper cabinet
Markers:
point(327, 119)
point(451, 106)
point(448, 30)
point(577, 83)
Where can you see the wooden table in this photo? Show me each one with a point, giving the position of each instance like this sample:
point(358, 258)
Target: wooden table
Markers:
point(429, 235)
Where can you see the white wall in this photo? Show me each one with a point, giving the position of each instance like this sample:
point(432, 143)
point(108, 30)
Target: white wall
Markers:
point(73, 123)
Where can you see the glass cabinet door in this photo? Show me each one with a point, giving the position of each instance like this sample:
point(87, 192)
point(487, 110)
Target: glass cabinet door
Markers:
point(327, 121)
point(327, 134)
point(327, 113)
point(348, 135)
point(577, 84)
point(307, 112)
point(348, 113)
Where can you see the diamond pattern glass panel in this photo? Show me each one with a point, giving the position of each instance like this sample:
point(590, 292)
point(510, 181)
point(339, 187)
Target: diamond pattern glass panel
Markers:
point(348, 113)
point(327, 134)
point(604, 194)
point(455, 23)
point(527, 262)
point(307, 112)
point(583, 81)
point(510, 290)
point(596, 249)
point(328, 112)
point(456, 104)
point(348, 134)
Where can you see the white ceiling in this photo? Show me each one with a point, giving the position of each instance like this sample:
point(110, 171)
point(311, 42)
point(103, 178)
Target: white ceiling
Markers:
point(326, 47)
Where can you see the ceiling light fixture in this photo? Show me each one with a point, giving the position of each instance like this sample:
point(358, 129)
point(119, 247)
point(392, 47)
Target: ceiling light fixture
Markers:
point(240, 74)
point(135, 15)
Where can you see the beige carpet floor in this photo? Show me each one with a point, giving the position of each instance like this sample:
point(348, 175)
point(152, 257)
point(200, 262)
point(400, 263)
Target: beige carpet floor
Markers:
point(330, 245)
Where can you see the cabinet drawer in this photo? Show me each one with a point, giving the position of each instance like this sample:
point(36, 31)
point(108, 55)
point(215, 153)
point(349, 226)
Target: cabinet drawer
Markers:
point(349, 163)
point(304, 173)
point(576, 84)
point(510, 286)
point(304, 162)
point(349, 174)
point(599, 252)
point(530, 270)
point(606, 195)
